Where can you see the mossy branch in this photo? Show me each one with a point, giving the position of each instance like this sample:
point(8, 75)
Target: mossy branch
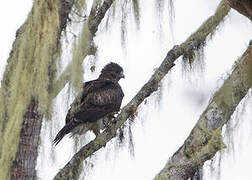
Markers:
point(73, 166)
point(207, 29)
point(205, 139)
point(85, 44)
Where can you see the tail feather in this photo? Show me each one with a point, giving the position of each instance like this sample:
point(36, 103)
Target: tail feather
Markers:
point(61, 134)
point(65, 130)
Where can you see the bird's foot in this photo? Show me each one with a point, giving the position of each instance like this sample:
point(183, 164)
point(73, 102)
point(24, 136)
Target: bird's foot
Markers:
point(113, 120)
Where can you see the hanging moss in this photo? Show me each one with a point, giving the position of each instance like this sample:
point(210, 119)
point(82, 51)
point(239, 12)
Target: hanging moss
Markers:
point(111, 15)
point(124, 18)
point(80, 6)
point(78, 12)
point(136, 10)
point(160, 7)
point(31, 69)
point(82, 47)
point(171, 13)
point(194, 64)
point(205, 32)
point(80, 51)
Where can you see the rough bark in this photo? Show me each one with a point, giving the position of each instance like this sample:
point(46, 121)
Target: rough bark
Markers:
point(205, 139)
point(23, 167)
point(242, 6)
point(73, 167)
point(65, 7)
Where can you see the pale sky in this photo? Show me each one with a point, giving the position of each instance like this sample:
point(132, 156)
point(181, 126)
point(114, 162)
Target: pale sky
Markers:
point(159, 130)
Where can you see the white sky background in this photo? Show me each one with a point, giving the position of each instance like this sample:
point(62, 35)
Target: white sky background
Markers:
point(160, 129)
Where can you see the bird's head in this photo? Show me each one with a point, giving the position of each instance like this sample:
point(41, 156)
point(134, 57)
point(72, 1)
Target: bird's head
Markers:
point(112, 71)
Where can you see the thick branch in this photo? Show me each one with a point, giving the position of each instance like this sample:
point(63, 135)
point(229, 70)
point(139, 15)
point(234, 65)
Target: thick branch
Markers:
point(205, 139)
point(85, 45)
point(73, 166)
point(65, 7)
point(242, 6)
point(208, 28)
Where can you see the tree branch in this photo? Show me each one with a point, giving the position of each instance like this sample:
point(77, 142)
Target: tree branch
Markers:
point(208, 28)
point(73, 167)
point(205, 139)
point(65, 7)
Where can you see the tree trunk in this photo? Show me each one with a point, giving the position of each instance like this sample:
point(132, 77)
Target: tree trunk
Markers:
point(22, 104)
point(37, 41)
point(23, 167)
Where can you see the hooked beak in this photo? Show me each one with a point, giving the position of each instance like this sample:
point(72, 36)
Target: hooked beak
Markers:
point(121, 75)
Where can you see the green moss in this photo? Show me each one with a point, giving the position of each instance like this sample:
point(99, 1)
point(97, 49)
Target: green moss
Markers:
point(80, 51)
point(216, 141)
point(30, 71)
point(80, 6)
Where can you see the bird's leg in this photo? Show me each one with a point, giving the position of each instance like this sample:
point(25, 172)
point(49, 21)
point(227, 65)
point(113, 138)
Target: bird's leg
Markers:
point(113, 120)
point(97, 132)
point(110, 118)
point(106, 121)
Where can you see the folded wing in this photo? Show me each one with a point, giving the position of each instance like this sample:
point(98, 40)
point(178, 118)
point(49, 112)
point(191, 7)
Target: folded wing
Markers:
point(99, 98)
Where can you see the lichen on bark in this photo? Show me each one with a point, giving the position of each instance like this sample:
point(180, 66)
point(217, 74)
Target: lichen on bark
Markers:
point(30, 71)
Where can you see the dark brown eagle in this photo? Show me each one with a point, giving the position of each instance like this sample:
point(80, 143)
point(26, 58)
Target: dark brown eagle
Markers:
point(99, 99)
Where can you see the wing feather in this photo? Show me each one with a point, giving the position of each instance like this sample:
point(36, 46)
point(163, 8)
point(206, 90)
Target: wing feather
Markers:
point(103, 99)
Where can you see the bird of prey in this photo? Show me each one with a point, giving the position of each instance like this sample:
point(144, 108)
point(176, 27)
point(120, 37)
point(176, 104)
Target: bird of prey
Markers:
point(100, 99)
